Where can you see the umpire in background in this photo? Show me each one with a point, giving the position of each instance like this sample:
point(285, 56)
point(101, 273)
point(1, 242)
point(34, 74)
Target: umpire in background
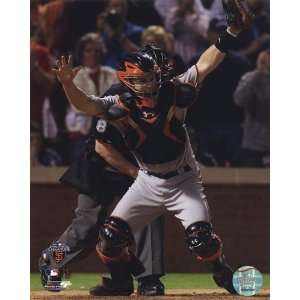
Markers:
point(98, 185)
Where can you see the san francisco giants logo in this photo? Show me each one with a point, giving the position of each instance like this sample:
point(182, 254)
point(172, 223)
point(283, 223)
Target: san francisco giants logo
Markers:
point(58, 256)
point(58, 251)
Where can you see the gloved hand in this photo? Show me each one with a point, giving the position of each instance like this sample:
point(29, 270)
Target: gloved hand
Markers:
point(238, 14)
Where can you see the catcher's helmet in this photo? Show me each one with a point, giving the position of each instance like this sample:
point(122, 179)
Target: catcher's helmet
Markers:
point(144, 71)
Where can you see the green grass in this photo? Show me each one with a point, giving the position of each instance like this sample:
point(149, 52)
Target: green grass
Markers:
point(171, 281)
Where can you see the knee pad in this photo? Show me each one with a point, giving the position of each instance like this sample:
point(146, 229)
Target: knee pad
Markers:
point(203, 241)
point(115, 235)
point(114, 239)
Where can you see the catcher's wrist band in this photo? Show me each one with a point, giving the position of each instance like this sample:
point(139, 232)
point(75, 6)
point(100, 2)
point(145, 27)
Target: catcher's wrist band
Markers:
point(225, 41)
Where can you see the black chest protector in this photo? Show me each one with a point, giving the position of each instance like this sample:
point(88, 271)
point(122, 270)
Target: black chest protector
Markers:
point(157, 136)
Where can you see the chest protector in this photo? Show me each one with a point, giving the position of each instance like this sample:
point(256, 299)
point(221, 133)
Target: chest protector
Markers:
point(157, 135)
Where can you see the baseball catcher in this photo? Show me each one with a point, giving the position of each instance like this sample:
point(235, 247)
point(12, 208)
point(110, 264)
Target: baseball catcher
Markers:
point(149, 110)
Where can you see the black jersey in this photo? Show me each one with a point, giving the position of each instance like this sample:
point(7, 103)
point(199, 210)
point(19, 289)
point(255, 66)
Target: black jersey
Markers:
point(90, 174)
point(108, 133)
point(156, 136)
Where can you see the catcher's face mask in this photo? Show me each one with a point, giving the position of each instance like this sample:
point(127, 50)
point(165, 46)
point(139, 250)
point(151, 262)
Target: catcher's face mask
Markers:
point(144, 84)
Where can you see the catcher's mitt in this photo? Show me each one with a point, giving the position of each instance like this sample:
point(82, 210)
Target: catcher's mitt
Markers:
point(238, 13)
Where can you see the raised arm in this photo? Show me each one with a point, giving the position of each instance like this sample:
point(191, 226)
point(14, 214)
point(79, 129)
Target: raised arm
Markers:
point(115, 159)
point(81, 101)
point(210, 58)
point(239, 17)
point(208, 61)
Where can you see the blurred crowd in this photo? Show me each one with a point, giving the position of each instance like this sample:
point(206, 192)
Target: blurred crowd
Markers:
point(230, 121)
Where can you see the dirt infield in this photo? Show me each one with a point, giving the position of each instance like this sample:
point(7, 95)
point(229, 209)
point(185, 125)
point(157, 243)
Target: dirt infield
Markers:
point(174, 294)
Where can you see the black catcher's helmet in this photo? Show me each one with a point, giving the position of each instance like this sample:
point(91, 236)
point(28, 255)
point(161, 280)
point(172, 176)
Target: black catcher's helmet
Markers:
point(144, 71)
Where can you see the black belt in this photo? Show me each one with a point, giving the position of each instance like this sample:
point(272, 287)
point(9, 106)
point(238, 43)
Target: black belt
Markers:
point(170, 174)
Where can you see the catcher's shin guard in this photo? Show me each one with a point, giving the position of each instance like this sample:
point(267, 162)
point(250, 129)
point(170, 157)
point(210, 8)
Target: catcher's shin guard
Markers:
point(114, 238)
point(114, 235)
point(203, 241)
point(223, 274)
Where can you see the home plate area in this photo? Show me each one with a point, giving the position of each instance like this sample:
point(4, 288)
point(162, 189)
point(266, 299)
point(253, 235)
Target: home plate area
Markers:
point(172, 294)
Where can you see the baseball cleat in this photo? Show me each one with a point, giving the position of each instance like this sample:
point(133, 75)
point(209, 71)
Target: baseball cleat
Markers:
point(223, 274)
point(150, 287)
point(109, 288)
